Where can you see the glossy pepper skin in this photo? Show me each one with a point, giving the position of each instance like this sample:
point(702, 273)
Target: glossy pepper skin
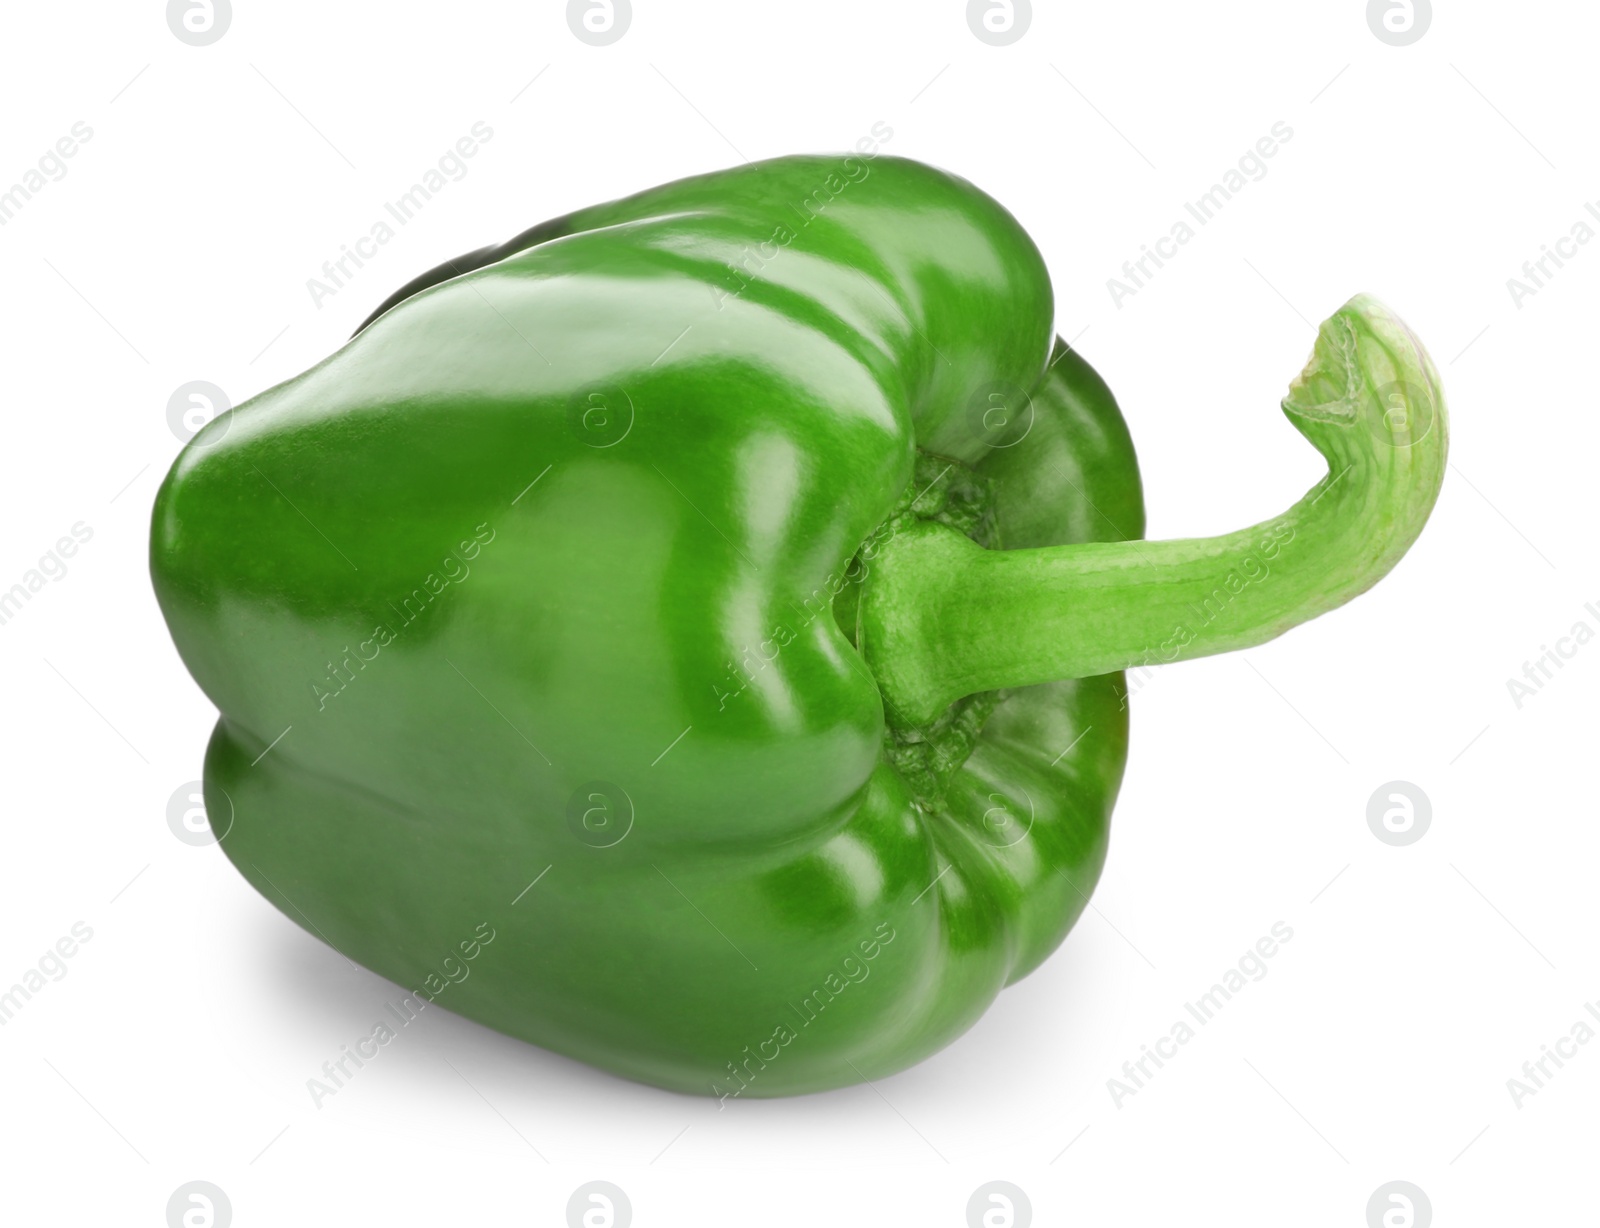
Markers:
point(599, 561)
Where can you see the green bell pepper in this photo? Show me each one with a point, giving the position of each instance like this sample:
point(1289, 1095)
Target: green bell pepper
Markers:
point(687, 636)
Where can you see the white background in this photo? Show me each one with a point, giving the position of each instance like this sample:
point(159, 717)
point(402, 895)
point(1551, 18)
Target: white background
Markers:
point(177, 247)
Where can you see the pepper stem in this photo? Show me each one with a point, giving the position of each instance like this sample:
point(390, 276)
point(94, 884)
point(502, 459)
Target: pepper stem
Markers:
point(941, 617)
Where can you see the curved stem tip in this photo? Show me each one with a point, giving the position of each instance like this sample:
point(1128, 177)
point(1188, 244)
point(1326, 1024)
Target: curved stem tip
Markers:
point(941, 617)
